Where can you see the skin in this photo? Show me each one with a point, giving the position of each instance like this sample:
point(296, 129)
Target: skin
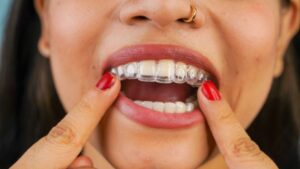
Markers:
point(236, 36)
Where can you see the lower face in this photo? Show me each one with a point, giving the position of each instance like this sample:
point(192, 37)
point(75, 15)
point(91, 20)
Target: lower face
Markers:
point(239, 38)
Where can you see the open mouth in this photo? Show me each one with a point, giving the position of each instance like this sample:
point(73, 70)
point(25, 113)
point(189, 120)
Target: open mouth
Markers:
point(159, 84)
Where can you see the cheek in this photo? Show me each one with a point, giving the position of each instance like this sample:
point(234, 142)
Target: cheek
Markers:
point(74, 33)
point(249, 38)
point(253, 28)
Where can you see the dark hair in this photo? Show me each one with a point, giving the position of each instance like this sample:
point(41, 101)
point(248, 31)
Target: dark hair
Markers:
point(29, 105)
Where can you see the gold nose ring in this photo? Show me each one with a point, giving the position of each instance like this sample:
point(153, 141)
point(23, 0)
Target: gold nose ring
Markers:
point(192, 17)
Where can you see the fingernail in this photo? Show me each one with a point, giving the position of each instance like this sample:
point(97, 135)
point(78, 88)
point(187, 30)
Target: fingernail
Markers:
point(210, 91)
point(106, 81)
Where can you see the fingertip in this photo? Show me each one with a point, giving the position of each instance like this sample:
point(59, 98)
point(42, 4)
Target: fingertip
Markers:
point(209, 97)
point(210, 91)
point(117, 84)
point(106, 89)
point(202, 100)
point(108, 81)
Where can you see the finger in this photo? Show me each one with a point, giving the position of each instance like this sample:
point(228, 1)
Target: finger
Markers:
point(64, 142)
point(81, 162)
point(238, 149)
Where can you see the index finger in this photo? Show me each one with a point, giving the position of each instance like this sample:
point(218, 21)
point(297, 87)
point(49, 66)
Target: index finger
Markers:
point(64, 142)
point(236, 146)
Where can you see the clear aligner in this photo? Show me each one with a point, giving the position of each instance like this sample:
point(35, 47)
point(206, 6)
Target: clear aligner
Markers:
point(161, 71)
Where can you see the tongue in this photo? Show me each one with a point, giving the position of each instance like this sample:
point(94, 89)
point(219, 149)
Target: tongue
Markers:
point(147, 91)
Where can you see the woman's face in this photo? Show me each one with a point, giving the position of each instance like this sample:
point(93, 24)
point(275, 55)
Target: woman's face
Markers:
point(242, 41)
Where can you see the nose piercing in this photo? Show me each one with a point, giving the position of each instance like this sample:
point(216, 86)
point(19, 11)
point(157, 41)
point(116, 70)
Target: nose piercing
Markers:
point(192, 17)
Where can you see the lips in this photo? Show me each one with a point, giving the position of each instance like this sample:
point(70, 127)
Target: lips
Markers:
point(158, 52)
point(164, 72)
point(156, 119)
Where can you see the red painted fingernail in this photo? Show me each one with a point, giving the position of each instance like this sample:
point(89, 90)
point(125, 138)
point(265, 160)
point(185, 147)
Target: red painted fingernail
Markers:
point(210, 91)
point(106, 81)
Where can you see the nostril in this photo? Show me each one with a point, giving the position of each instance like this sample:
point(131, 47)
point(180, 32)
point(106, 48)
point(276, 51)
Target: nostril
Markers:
point(181, 20)
point(140, 18)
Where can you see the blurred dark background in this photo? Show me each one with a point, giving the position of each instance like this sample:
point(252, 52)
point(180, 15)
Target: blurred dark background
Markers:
point(297, 48)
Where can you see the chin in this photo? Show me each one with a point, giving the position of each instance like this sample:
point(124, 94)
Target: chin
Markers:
point(128, 144)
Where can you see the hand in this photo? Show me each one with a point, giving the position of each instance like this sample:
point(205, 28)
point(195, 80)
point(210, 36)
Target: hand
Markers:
point(64, 142)
point(236, 147)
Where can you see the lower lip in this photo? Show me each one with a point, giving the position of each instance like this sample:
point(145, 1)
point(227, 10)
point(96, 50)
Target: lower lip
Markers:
point(156, 119)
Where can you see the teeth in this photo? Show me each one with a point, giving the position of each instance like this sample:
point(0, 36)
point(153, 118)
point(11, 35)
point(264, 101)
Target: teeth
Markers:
point(161, 71)
point(131, 70)
point(201, 77)
point(147, 71)
point(190, 107)
point(138, 102)
point(180, 107)
point(120, 72)
point(158, 106)
point(148, 104)
point(180, 72)
point(191, 99)
point(165, 71)
point(168, 107)
point(192, 75)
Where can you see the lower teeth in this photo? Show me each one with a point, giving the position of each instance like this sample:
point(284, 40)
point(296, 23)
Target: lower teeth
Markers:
point(168, 107)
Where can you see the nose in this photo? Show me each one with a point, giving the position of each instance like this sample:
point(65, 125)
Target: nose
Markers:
point(161, 13)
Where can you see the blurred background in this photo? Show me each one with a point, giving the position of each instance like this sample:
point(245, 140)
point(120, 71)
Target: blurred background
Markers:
point(4, 8)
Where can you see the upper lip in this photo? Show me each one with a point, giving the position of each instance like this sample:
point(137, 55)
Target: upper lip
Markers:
point(160, 51)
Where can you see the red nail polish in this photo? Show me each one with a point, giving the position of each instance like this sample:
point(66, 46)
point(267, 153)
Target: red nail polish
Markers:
point(105, 82)
point(210, 91)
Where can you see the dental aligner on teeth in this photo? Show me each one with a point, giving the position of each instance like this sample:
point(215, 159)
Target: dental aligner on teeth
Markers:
point(161, 71)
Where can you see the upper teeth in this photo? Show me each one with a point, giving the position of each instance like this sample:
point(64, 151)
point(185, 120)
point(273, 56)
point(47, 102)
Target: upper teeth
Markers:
point(161, 71)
